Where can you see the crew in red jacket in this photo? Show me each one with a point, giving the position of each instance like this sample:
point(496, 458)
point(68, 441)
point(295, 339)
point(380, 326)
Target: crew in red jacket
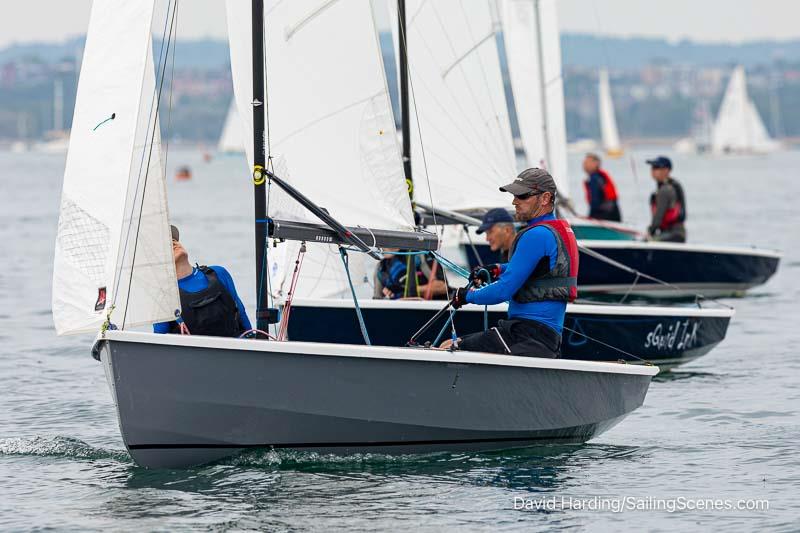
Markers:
point(601, 194)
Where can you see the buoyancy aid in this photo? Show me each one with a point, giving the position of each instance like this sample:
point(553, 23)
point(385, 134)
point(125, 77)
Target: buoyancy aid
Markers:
point(211, 311)
point(609, 189)
point(559, 283)
point(675, 214)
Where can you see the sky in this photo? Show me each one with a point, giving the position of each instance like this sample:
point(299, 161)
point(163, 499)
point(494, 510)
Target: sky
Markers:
point(732, 21)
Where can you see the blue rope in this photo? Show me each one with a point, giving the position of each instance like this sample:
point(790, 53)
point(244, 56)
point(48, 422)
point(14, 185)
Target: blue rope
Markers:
point(345, 260)
point(461, 271)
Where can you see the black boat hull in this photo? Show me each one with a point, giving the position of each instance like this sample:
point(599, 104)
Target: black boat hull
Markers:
point(710, 271)
point(666, 337)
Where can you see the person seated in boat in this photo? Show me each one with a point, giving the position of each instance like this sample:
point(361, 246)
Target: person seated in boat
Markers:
point(601, 193)
point(537, 282)
point(209, 302)
point(667, 204)
point(498, 224)
point(391, 280)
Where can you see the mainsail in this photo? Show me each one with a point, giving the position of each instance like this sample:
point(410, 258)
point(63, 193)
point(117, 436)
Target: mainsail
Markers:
point(608, 122)
point(113, 255)
point(462, 142)
point(530, 30)
point(231, 140)
point(739, 128)
point(331, 129)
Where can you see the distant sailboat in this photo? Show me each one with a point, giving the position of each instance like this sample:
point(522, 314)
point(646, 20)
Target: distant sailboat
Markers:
point(608, 122)
point(739, 128)
point(699, 141)
point(231, 142)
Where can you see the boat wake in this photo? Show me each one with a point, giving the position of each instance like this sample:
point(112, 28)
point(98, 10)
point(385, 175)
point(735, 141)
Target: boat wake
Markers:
point(58, 446)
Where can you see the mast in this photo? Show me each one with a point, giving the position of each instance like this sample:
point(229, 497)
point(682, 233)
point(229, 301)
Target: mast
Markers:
point(410, 289)
point(404, 111)
point(259, 162)
point(542, 83)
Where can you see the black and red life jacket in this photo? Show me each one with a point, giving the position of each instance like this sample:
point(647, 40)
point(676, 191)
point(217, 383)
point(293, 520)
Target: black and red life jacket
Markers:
point(559, 283)
point(609, 189)
point(675, 214)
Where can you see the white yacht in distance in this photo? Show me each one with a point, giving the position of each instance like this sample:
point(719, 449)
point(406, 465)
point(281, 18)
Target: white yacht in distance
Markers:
point(739, 128)
point(608, 122)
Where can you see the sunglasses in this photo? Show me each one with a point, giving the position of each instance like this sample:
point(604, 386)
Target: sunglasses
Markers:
point(528, 195)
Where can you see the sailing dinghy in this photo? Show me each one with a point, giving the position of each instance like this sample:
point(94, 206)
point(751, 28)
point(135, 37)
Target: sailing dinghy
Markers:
point(184, 400)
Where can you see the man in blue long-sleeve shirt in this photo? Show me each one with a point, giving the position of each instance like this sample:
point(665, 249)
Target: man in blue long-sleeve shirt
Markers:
point(209, 302)
point(538, 281)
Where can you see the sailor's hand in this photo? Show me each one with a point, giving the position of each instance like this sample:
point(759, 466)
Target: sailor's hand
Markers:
point(459, 298)
point(484, 274)
point(387, 293)
point(448, 344)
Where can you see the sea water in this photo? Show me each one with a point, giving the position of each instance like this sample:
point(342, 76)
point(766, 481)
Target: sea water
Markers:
point(718, 434)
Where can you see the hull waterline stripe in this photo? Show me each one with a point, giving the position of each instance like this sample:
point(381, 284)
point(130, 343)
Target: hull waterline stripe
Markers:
point(343, 444)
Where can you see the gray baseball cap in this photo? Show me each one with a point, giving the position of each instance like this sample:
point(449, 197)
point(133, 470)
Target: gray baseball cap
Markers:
point(532, 180)
point(175, 233)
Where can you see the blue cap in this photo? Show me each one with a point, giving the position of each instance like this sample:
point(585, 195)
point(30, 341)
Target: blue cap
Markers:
point(495, 216)
point(660, 162)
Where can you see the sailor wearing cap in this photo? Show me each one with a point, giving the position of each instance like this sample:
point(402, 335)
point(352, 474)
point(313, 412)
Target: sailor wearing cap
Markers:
point(667, 204)
point(537, 281)
point(498, 224)
point(209, 302)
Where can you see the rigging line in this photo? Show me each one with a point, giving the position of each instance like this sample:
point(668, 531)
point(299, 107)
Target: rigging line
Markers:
point(603, 45)
point(404, 44)
point(475, 122)
point(620, 350)
point(153, 115)
point(171, 87)
point(359, 314)
point(638, 273)
point(156, 96)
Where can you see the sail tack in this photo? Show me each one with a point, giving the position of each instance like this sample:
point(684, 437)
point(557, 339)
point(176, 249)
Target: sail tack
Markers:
point(113, 252)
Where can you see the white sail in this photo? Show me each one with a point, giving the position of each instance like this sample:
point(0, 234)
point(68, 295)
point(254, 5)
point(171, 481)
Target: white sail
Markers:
point(542, 122)
point(608, 121)
point(231, 140)
point(463, 143)
point(330, 124)
point(113, 253)
point(739, 128)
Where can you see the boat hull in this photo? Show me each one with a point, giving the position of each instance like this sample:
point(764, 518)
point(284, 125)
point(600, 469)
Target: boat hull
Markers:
point(664, 336)
point(184, 400)
point(693, 269)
